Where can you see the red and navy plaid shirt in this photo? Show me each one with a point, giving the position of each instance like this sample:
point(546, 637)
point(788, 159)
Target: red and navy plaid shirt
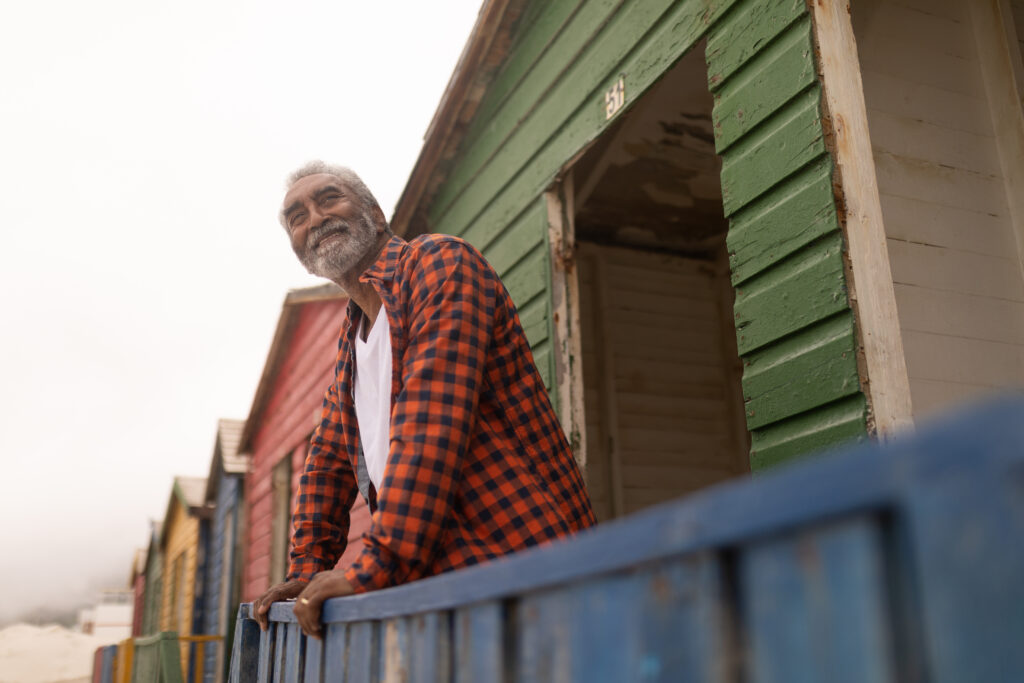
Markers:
point(478, 465)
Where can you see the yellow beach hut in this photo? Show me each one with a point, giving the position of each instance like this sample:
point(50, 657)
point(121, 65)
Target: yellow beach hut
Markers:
point(181, 546)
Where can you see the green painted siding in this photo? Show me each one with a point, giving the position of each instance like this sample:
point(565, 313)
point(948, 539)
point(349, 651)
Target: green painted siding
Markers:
point(544, 106)
point(795, 330)
point(153, 592)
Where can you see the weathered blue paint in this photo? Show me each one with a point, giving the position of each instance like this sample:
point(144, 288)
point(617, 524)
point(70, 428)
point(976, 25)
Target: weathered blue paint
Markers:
point(104, 663)
point(363, 655)
point(479, 652)
point(817, 606)
point(314, 663)
point(334, 652)
point(223, 527)
point(294, 654)
point(876, 564)
point(264, 664)
point(246, 645)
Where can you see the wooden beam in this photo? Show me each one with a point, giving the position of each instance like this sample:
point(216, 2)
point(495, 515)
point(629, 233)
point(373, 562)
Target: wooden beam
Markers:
point(872, 295)
point(485, 50)
point(1000, 63)
point(565, 312)
point(732, 365)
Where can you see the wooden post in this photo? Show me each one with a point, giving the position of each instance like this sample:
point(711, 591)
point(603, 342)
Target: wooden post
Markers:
point(125, 658)
point(200, 666)
point(872, 295)
point(169, 657)
point(245, 652)
point(565, 305)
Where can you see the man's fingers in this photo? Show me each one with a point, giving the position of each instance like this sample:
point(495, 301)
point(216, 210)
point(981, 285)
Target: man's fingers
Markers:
point(261, 615)
point(308, 615)
point(262, 607)
point(307, 611)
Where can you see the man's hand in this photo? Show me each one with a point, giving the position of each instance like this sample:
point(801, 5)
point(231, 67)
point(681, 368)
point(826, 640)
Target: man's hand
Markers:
point(330, 584)
point(282, 591)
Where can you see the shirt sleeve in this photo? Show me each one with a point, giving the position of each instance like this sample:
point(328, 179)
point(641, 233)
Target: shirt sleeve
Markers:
point(327, 489)
point(451, 311)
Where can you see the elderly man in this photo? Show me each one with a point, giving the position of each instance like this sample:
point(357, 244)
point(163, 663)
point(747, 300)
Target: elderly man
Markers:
point(438, 415)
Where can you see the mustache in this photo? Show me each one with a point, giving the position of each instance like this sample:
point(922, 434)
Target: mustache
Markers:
point(323, 230)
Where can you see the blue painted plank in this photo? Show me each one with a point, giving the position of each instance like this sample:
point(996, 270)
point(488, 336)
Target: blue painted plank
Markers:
point(858, 478)
point(815, 598)
point(967, 544)
point(266, 661)
point(280, 645)
point(656, 624)
point(283, 612)
point(815, 606)
point(382, 653)
point(246, 648)
point(430, 647)
point(478, 643)
point(107, 664)
point(314, 666)
point(245, 651)
point(363, 653)
point(294, 654)
point(395, 652)
point(603, 616)
point(679, 625)
point(543, 637)
point(335, 644)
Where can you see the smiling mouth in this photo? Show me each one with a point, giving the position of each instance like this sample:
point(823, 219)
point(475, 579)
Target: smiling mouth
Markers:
point(327, 236)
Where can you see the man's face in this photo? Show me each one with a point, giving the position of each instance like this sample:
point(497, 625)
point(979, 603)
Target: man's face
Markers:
point(330, 228)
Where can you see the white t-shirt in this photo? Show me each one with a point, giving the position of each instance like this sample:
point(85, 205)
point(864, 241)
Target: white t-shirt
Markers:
point(372, 395)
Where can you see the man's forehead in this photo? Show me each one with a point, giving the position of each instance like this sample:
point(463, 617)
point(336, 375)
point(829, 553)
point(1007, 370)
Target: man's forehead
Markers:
point(307, 185)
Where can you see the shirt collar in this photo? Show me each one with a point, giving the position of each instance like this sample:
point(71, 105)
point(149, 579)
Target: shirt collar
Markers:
point(387, 261)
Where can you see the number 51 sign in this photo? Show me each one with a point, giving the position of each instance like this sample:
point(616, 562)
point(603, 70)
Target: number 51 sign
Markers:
point(615, 97)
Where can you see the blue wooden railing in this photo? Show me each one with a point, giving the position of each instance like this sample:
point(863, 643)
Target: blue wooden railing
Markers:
point(902, 562)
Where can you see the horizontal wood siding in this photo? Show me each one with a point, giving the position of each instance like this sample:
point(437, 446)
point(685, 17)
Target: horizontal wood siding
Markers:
point(653, 344)
point(547, 104)
point(954, 258)
point(795, 329)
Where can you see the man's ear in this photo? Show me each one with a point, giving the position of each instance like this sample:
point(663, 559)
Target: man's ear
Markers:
point(378, 219)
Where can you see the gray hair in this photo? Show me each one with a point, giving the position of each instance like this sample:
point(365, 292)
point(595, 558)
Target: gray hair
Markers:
point(346, 175)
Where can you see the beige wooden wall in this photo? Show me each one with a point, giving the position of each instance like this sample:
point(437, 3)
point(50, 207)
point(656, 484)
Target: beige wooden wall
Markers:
point(1017, 10)
point(661, 377)
point(952, 247)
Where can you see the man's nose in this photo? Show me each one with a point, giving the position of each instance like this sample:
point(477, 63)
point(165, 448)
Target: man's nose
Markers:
point(316, 217)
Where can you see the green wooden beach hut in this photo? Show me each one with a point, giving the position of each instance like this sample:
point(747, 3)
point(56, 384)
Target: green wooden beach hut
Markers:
point(739, 231)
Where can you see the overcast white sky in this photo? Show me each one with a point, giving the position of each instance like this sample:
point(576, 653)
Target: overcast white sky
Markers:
point(143, 148)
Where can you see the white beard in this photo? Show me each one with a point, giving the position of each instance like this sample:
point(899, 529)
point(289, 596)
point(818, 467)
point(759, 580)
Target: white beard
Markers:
point(335, 259)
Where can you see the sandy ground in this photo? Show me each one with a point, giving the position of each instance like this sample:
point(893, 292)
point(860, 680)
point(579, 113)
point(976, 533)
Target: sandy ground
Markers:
point(46, 654)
